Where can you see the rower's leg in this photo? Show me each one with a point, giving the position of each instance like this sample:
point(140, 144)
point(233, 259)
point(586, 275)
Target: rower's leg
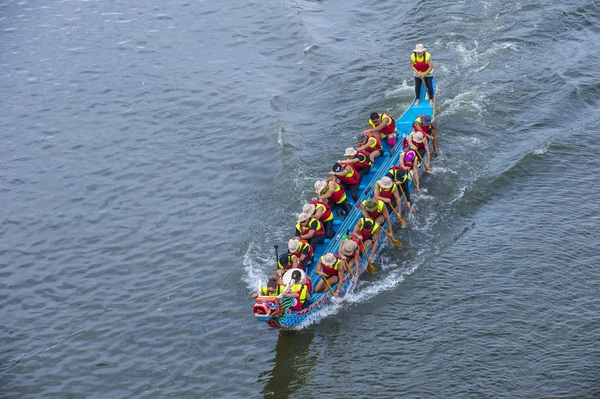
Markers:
point(354, 192)
point(328, 226)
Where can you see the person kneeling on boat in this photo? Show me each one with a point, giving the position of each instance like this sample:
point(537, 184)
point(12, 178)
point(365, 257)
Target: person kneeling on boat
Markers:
point(310, 229)
point(334, 194)
point(400, 179)
point(376, 210)
point(383, 124)
point(386, 191)
point(424, 124)
point(350, 253)
point(272, 289)
point(371, 143)
point(298, 290)
point(408, 163)
point(322, 212)
point(302, 250)
point(367, 230)
point(359, 159)
point(418, 142)
point(348, 177)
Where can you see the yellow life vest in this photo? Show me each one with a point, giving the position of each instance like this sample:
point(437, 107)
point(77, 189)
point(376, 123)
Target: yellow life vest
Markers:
point(302, 289)
point(416, 59)
point(373, 229)
point(265, 291)
point(381, 116)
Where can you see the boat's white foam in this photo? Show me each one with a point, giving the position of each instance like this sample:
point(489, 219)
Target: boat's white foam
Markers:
point(464, 103)
point(402, 88)
point(366, 290)
point(254, 269)
point(441, 169)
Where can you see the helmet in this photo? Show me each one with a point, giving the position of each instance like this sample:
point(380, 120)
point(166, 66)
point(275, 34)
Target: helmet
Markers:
point(410, 156)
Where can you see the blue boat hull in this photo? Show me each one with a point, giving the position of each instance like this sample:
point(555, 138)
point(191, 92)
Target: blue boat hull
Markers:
point(278, 313)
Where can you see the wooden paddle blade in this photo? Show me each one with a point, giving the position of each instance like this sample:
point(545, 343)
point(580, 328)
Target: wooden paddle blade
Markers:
point(371, 269)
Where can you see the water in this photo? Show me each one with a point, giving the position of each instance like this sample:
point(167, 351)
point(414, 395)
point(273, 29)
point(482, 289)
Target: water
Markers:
point(152, 154)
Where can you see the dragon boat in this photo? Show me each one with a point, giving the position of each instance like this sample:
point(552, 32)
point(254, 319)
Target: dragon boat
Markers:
point(276, 310)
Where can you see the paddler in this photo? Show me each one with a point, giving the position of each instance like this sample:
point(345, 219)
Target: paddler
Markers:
point(375, 209)
point(408, 163)
point(385, 125)
point(370, 143)
point(421, 64)
point(429, 129)
point(332, 192)
point(359, 159)
point(321, 211)
point(302, 250)
point(418, 141)
point(367, 231)
point(330, 267)
point(349, 252)
point(348, 177)
point(298, 290)
point(401, 179)
point(286, 262)
point(310, 229)
point(386, 191)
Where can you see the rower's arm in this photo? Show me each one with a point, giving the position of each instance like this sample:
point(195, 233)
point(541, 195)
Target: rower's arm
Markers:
point(362, 209)
point(328, 193)
point(318, 212)
point(341, 272)
point(416, 175)
point(386, 216)
point(319, 268)
point(376, 190)
point(397, 196)
point(375, 241)
point(309, 235)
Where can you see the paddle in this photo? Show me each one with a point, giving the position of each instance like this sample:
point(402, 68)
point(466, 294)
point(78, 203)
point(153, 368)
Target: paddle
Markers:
point(328, 285)
point(400, 220)
point(276, 254)
point(421, 158)
point(425, 87)
point(394, 240)
point(370, 268)
point(405, 201)
point(351, 272)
